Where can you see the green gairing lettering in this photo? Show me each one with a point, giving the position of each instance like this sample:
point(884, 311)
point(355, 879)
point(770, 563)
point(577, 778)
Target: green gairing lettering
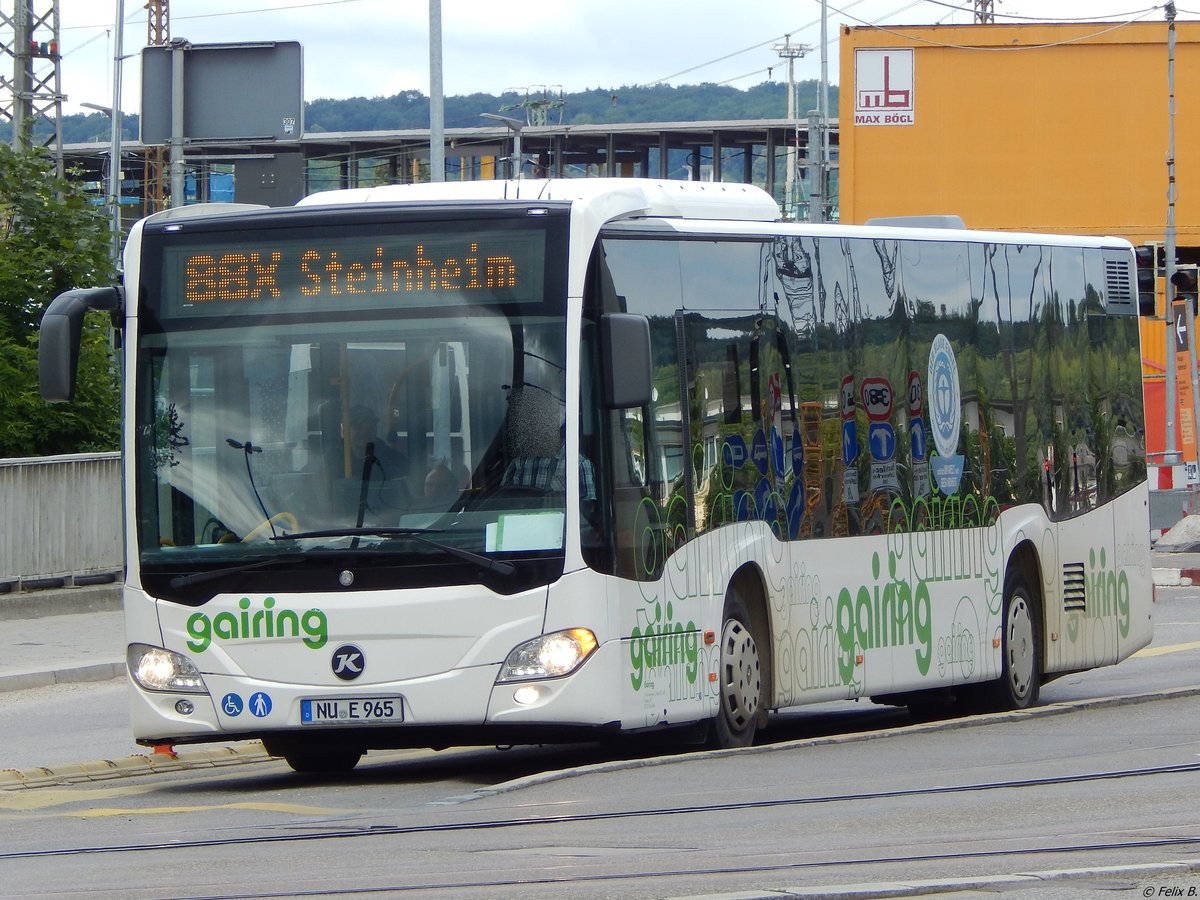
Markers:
point(311, 626)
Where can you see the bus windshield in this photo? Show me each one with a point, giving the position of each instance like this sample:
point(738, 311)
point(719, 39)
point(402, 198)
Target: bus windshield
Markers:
point(422, 425)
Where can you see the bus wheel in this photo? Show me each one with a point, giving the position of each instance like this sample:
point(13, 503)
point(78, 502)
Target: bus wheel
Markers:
point(321, 759)
point(1021, 675)
point(739, 679)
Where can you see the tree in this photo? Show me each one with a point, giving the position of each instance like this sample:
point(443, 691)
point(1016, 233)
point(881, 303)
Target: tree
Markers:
point(51, 239)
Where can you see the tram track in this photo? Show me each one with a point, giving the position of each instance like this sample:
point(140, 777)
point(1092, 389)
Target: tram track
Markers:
point(376, 831)
point(741, 870)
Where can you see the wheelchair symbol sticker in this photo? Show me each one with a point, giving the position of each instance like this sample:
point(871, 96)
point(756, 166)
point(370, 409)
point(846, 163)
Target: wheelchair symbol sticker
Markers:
point(231, 705)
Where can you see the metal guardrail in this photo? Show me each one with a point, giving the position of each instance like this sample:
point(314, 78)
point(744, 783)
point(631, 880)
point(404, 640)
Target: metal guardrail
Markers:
point(62, 521)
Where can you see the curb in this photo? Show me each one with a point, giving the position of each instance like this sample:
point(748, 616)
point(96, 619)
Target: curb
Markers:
point(21, 681)
point(855, 737)
point(131, 766)
point(61, 601)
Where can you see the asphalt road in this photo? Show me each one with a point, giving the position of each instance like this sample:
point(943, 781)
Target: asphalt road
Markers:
point(1093, 791)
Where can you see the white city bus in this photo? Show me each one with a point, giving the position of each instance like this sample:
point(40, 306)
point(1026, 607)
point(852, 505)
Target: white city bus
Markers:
point(511, 462)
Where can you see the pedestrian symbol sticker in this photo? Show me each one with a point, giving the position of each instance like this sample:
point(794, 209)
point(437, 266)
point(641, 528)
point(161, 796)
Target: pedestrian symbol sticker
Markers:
point(259, 704)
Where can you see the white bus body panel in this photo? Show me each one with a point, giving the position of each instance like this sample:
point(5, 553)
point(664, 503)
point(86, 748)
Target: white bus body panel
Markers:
point(1113, 619)
point(440, 648)
point(846, 626)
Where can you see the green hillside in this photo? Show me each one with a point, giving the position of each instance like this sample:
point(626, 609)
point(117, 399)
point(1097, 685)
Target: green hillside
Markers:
point(408, 110)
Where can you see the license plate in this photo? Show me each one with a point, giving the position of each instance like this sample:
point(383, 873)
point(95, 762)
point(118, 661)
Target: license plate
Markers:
point(351, 710)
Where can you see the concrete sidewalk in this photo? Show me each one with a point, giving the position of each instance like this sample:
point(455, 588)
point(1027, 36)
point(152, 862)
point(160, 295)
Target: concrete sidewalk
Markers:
point(66, 635)
point(61, 635)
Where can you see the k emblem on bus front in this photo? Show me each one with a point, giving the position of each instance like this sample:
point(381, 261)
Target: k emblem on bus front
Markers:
point(348, 662)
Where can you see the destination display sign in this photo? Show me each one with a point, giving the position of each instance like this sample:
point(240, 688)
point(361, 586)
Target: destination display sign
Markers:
point(268, 274)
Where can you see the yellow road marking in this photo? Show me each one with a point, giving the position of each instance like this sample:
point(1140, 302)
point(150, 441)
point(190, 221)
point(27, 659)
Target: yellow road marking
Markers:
point(26, 802)
point(295, 808)
point(1168, 648)
point(21, 801)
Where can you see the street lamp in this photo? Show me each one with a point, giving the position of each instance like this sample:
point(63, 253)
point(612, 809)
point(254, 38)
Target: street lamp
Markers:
point(515, 164)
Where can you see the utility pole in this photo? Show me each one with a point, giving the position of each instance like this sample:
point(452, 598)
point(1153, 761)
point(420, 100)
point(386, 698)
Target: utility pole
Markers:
point(816, 167)
point(983, 13)
point(180, 48)
point(820, 183)
point(33, 96)
point(537, 109)
point(1171, 454)
point(154, 170)
point(437, 113)
point(114, 154)
point(791, 52)
point(1169, 237)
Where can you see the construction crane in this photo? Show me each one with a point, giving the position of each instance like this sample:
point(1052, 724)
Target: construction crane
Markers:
point(158, 33)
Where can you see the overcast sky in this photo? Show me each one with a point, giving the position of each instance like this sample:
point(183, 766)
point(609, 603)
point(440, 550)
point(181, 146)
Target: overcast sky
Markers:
point(373, 48)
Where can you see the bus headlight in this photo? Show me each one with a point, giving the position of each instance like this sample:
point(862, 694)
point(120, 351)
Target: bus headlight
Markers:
point(549, 656)
point(157, 669)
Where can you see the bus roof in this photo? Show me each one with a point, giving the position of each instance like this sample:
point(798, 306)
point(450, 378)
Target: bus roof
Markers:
point(605, 198)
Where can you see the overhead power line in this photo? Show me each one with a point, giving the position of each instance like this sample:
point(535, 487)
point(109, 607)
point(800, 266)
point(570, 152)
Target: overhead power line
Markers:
point(236, 12)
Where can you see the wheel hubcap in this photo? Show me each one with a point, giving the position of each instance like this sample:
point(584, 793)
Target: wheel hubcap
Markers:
point(1020, 646)
point(741, 681)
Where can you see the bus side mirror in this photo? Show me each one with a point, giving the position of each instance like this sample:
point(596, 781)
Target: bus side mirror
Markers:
point(625, 345)
point(58, 342)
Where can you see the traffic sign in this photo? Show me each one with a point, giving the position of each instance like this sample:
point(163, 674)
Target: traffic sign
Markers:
point(877, 398)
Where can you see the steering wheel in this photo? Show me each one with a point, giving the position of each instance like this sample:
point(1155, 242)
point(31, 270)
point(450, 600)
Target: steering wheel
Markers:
point(285, 518)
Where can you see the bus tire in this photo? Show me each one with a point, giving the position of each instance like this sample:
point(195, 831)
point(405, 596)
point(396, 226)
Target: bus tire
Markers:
point(316, 759)
point(1020, 678)
point(739, 681)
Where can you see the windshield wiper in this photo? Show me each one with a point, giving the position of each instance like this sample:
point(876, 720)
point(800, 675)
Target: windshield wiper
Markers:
point(417, 534)
point(181, 581)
